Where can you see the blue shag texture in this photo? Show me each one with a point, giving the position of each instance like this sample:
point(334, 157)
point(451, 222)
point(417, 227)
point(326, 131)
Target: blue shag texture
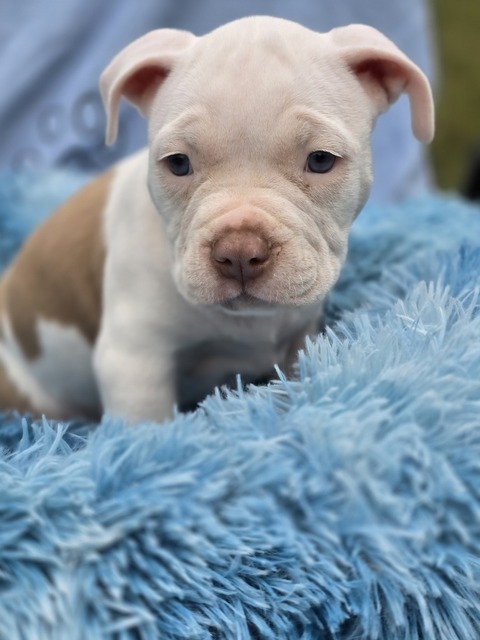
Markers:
point(343, 504)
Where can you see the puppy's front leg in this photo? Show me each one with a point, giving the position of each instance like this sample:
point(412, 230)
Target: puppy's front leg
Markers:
point(134, 384)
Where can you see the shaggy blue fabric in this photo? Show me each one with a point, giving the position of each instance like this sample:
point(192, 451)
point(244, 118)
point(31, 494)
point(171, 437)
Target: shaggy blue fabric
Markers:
point(342, 504)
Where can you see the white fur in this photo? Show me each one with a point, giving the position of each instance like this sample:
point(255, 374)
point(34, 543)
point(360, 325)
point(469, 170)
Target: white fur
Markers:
point(247, 103)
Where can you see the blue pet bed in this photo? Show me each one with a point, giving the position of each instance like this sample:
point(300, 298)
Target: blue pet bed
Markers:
point(342, 504)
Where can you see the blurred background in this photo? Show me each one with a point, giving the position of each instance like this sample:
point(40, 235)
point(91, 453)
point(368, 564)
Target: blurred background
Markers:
point(457, 26)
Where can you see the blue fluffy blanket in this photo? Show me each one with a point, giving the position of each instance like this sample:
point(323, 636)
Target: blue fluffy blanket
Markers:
point(342, 504)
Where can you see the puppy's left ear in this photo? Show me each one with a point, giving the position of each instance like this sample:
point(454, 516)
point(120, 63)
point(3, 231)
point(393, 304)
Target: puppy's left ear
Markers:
point(385, 72)
point(138, 71)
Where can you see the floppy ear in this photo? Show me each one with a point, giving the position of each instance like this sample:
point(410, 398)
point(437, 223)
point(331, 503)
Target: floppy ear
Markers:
point(385, 72)
point(138, 70)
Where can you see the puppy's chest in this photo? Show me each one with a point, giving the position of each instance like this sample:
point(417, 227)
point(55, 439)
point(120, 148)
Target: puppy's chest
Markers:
point(203, 365)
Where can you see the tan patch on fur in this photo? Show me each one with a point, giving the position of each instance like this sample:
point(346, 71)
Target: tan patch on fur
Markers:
point(58, 273)
point(10, 398)
point(2, 307)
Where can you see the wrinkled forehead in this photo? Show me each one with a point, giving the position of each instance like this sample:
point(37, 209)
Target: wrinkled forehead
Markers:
point(246, 77)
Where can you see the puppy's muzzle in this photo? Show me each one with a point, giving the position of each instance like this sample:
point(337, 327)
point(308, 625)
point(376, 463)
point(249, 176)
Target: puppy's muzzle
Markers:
point(241, 255)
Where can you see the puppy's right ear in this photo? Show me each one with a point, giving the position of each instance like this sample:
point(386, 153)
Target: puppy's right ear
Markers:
point(138, 70)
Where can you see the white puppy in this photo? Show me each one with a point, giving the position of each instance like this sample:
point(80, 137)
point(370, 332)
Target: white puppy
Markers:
point(210, 253)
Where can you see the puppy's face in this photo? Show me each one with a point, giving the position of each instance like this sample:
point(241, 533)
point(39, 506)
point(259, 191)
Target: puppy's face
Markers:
point(260, 151)
point(258, 171)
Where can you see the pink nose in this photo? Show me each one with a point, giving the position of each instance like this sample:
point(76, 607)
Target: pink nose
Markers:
point(241, 255)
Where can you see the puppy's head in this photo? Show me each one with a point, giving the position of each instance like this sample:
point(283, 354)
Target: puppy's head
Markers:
point(259, 136)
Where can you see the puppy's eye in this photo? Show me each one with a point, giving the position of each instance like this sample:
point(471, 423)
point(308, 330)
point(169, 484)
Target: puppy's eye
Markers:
point(320, 161)
point(179, 164)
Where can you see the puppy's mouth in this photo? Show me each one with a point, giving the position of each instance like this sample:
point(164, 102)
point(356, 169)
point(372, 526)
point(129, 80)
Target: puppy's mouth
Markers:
point(246, 304)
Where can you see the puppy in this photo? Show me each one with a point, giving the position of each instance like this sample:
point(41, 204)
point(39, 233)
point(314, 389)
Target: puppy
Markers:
point(210, 253)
